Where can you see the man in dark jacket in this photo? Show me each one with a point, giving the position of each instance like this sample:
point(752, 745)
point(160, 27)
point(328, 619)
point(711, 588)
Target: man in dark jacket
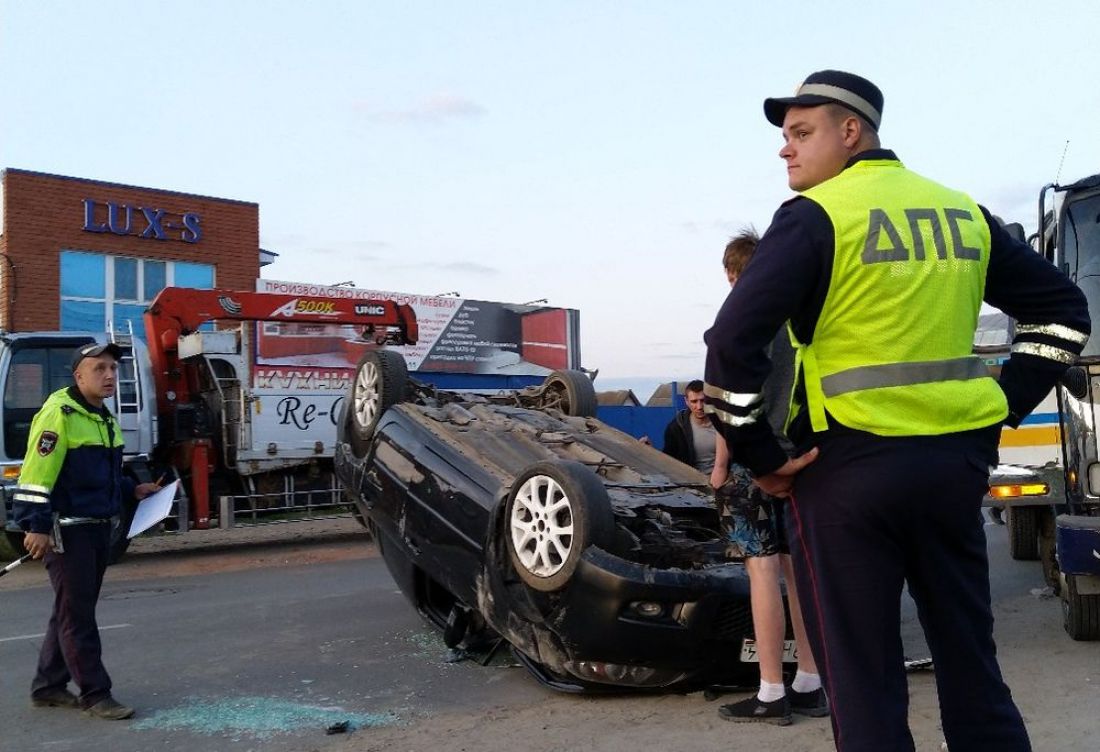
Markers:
point(70, 487)
point(690, 436)
point(881, 274)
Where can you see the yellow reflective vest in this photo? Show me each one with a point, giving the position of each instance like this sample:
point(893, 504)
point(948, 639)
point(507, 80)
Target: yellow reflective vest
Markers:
point(73, 465)
point(891, 352)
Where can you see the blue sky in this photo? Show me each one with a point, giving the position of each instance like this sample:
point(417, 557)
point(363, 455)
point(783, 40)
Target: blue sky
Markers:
point(597, 154)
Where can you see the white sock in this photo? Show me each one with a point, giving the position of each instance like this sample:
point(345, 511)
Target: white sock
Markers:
point(771, 692)
point(804, 682)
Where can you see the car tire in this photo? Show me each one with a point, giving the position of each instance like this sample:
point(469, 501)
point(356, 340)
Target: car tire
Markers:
point(1080, 613)
point(571, 392)
point(381, 377)
point(554, 512)
point(1023, 532)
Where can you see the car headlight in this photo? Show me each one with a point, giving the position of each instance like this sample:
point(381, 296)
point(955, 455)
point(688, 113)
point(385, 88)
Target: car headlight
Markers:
point(617, 673)
point(1094, 478)
point(648, 609)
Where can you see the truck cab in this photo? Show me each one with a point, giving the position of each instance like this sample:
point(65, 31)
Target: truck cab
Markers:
point(1069, 238)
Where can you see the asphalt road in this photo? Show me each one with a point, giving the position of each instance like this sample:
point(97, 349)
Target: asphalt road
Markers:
point(265, 648)
point(265, 657)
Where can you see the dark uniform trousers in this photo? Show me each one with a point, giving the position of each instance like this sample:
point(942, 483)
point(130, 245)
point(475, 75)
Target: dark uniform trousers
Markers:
point(868, 516)
point(71, 647)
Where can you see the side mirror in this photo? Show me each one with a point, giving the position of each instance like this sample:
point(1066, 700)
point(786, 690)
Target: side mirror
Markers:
point(1076, 382)
point(1016, 231)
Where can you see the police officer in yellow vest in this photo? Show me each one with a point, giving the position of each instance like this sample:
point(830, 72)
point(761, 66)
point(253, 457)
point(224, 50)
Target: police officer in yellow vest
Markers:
point(70, 486)
point(881, 275)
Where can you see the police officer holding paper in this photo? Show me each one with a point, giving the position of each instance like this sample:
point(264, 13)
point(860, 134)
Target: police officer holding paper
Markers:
point(881, 274)
point(70, 486)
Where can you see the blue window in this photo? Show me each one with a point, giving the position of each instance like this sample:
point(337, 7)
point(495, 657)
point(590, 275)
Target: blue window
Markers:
point(83, 275)
point(83, 315)
point(127, 315)
point(200, 276)
point(97, 289)
point(126, 279)
point(155, 276)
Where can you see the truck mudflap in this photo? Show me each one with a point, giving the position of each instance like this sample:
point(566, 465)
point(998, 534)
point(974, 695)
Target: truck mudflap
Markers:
point(1079, 545)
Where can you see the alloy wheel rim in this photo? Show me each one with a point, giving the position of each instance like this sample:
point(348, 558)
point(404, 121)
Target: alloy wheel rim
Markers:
point(366, 394)
point(541, 526)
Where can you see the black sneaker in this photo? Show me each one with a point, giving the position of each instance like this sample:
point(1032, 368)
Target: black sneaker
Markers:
point(54, 698)
point(754, 710)
point(814, 704)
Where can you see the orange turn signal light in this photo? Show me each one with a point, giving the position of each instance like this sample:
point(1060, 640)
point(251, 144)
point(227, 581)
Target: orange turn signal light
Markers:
point(1014, 490)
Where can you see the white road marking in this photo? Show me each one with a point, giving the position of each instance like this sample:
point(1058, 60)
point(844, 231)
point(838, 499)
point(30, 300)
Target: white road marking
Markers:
point(43, 634)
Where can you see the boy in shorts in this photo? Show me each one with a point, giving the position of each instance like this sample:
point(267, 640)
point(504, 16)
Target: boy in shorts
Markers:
point(754, 524)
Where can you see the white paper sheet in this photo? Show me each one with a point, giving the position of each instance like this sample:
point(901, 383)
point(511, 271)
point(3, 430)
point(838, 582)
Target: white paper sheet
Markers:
point(152, 509)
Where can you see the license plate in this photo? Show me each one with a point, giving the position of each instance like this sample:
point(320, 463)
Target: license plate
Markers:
point(749, 654)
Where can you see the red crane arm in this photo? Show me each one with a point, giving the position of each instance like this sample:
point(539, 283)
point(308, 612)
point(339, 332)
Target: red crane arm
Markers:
point(182, 310)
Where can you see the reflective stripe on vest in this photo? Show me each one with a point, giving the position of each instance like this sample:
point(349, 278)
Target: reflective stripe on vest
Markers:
point(891, 351)
point(902, 374)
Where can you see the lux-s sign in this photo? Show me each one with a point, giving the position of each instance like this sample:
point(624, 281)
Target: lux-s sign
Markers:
point(157, 223)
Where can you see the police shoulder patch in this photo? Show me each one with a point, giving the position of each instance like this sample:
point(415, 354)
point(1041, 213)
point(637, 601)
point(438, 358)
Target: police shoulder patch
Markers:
point(47, 442)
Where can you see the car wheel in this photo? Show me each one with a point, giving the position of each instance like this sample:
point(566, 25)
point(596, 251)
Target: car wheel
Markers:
point(555, 511)
point(571, 392)
point(1023, 532)
point(380, 380)
point(1080, 613)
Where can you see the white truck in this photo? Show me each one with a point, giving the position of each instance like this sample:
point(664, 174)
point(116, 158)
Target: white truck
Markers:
point(192, 407)
point(1049, 482)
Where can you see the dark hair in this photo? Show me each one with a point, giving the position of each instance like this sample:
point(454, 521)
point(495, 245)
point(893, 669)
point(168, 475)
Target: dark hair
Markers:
point(739, 250)
point(695, 385)
point(869, 133)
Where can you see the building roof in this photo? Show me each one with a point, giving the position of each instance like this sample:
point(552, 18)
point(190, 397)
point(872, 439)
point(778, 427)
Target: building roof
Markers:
point(18, 171)
point(617, 397)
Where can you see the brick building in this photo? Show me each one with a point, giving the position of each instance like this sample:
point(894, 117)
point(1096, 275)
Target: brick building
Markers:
point(81, 254)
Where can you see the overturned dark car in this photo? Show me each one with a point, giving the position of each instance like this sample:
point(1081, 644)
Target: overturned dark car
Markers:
point(596, 557)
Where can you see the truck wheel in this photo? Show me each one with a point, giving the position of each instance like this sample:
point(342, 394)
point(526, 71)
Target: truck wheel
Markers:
point(1080, 613)
point(555, 511)
point(1023, 532)
point(1047, 553)
point(380, 380)
point(571, 392)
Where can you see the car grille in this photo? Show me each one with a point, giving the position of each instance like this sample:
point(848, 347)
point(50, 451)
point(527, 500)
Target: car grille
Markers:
point(733, 620)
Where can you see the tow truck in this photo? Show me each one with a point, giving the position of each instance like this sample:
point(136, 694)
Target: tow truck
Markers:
point(190, 407)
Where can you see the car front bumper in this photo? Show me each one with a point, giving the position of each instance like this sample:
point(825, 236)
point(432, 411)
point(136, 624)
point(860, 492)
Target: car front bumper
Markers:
point(625, 625)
